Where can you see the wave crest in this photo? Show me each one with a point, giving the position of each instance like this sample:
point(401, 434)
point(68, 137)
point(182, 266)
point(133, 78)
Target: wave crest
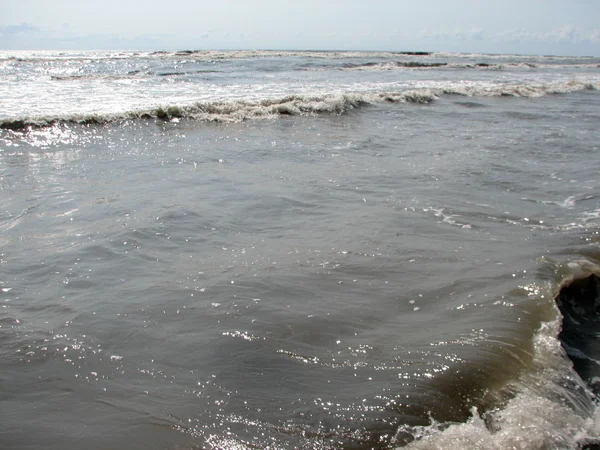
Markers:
point(300, 105)
point(235, 111)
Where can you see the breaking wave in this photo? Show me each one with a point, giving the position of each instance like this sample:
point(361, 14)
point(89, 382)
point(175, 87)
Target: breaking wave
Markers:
point(298, 105)
point(554, 403)
point(237, 111)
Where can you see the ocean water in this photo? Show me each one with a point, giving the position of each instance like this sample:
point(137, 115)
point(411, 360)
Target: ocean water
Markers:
point(312, 250)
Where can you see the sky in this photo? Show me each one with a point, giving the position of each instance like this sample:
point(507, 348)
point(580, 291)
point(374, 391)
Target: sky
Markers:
point(557, 27)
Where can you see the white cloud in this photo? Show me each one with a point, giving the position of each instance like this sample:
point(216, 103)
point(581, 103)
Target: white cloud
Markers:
point(473, 34)
point(567, 34)
point(564, 34)
point(515, 36)
point(23, 28)
point(459, 34)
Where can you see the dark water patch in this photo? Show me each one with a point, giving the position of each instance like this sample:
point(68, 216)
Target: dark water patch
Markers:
point(579, 303)
point(170, 74)
point(470, 104)
point(419, 64)
point(486, 66)
point(415, 53)
point(525, 115)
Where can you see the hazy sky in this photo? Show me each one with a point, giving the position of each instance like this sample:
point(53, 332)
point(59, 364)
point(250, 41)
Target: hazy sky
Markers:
point(509, 26)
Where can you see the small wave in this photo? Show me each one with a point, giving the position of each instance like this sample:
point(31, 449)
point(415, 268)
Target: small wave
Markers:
point(570, 66)
point(391, 65)
point(400, 65)
point(49, 56)
point(495, 66)
point(190, 72)
point(514, 56)
point(97, 76)
point(520, 90)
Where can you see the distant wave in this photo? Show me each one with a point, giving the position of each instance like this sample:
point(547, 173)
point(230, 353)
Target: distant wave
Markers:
point(49, 55)
point(98, 76)
point(544, 58)
point(128, 75)
point(571, 66)
point(15, 55)
point(298, 105)
point(324, 54)
point(35, 56)
point(400, 65)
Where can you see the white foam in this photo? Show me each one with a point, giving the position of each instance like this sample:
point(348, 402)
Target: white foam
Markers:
point(528, 422)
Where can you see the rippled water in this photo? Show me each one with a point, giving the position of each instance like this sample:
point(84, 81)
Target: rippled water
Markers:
point(372, 279)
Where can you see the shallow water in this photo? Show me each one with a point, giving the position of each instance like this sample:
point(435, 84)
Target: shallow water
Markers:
point(312, 280)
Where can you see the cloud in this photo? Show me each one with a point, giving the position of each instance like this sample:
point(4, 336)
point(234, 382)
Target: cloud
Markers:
point(567, 34)
point(23, 28)
point(474, 34)
point(477, 34)
point(25, 36)
point(515, 36)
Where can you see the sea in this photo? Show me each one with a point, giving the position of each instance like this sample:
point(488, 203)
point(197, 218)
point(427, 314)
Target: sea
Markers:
point(299, 250)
